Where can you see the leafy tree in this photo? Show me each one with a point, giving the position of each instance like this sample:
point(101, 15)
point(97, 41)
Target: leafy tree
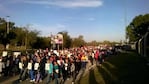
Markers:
point(6, 36)
point(42, 42)
point(93, 43)
point(31, 37)
point(106, 42)
point(24, 37)
point(78, 42)
point(20, 37)
point(137, 28)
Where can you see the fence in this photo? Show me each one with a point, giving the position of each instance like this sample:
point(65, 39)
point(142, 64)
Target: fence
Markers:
point(142, 46)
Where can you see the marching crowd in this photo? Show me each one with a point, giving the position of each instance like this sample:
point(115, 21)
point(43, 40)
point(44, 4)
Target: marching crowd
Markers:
point(57, 65)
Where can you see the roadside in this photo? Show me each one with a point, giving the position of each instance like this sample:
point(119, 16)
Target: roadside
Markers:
point(124, 68)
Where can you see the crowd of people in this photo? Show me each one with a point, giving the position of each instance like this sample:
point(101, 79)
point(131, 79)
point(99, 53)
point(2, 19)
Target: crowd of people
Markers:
point(57, 65)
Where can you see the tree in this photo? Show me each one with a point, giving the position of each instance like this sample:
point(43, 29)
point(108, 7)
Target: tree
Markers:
point(6, 36)
point(106, 42)
point(20, 37)
point(42, 42)
point(31, 38)
point(137, 28)
point(24, 37)
point(93, 43)
point(78, 42)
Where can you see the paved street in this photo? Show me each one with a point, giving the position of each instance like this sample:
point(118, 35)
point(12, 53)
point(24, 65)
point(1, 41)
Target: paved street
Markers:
point(14, 79)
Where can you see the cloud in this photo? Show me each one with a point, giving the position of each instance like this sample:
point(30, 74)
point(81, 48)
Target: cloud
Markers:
point(4, 9)
point(1, 7)
point(68, 3)
point(91, 19)
point(60, 26)
point(47, 29)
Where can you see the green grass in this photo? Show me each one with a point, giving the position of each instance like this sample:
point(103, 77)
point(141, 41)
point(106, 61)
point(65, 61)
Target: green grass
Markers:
point(124, 68)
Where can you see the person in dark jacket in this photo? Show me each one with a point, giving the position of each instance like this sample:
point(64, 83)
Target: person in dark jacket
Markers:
point(24, 63)
point(31, 70)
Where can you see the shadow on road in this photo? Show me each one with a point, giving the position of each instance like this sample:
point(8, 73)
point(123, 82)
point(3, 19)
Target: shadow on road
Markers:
point(16, 82)
point(92, 79)
point(80, 75)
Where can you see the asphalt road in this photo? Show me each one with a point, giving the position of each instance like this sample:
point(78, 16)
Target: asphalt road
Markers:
point(14, 79)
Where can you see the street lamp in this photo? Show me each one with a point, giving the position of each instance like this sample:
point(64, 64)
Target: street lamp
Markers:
point(7, 24)
point(7, 29)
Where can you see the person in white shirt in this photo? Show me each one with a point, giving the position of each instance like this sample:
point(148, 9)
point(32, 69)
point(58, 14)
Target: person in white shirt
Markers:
point(1, 66)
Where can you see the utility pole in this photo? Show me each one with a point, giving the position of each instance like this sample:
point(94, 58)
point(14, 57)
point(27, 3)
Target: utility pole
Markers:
point(26, 36)
point(26, 39)
point(125, 19)
point(7, 24)
point(7, 29)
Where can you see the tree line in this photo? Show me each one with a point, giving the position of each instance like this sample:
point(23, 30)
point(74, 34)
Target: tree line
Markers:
point(137, 28)
point(31, 39)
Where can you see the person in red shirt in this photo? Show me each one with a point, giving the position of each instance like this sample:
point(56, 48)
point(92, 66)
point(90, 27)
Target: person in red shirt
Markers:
point(97, 56)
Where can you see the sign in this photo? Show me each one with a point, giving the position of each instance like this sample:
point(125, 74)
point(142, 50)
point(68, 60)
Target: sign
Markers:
point(57, 39)
point(58, 61)
point(66, 65)
point(16, 54)
point(5, 53)
point(56, 52)
point(47, 66)
point(29, 66)
point(49, 54)
point(36, 66)
point(20, 65)
point(57, 71)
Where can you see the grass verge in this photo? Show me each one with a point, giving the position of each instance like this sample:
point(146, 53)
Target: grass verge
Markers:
point(124, 68)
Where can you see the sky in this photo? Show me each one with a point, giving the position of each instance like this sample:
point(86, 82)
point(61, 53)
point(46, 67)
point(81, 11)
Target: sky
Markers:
point(94, 19)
